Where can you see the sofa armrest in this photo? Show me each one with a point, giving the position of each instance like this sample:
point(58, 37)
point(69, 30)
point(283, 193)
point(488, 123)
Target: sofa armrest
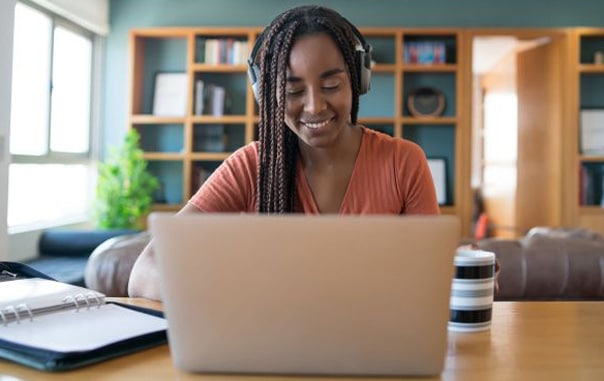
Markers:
point(512, 275)
point(109, 266)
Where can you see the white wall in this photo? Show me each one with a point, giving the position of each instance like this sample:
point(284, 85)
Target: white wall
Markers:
point(7, 16)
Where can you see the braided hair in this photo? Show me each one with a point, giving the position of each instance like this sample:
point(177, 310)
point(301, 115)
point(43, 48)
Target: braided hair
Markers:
point(277, 144)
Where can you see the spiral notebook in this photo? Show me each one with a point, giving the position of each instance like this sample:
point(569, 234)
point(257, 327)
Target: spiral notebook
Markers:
point(51, 325)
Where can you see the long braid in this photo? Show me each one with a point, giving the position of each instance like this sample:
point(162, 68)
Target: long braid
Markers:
point(287, 147)
point(265, 135)
point(278, 145)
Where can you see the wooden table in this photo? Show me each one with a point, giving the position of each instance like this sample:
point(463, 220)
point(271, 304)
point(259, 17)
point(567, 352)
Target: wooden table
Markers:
point(528, 341)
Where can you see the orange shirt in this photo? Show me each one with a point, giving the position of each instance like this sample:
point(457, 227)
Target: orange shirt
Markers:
point(390, 176)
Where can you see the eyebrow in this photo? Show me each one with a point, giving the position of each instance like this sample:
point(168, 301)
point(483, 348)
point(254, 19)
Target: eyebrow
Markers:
point(324, 75)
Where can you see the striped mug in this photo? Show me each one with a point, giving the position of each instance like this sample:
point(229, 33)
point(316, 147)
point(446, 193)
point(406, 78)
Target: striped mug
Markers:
point(472, 291)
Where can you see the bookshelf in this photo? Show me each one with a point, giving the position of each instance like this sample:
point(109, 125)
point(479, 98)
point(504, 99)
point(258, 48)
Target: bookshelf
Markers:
point(585, 203)
point(183, 150)
point(385, 107)
point(177, 147)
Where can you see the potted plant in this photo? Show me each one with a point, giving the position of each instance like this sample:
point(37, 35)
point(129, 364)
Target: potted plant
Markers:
point(124, 191)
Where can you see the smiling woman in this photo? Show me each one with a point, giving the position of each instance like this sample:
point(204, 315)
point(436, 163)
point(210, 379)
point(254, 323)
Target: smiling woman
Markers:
point(307, 70)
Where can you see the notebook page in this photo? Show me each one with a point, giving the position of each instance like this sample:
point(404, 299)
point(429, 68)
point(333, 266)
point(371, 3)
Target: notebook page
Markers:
point(40, 293)
point(81, 330)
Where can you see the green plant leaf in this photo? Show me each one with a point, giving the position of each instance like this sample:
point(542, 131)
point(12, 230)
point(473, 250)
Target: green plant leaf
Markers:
point(124, 186)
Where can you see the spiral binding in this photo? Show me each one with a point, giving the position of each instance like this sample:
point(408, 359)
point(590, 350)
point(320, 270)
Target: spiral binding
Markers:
point(21, 311)
point(85, 299)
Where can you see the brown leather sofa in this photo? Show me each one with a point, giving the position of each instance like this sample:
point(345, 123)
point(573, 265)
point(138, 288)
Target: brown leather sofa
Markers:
point(546, 264)
point(550, 264)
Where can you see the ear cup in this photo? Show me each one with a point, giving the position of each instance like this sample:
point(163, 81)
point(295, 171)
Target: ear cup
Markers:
point(253, 72)
point(364, 65)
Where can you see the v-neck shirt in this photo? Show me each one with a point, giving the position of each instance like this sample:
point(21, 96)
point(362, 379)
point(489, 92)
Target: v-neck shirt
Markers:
point(390, 176)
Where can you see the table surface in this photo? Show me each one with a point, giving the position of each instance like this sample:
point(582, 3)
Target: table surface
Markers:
point(527, 341)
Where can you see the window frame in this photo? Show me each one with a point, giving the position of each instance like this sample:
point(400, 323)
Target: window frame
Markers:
point(87, 158)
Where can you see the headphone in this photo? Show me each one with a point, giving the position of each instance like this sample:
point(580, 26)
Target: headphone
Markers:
point(362, 58)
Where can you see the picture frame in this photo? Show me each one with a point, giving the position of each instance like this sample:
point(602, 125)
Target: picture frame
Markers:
point(592, 132)
point(170, 94)
point(438, 168)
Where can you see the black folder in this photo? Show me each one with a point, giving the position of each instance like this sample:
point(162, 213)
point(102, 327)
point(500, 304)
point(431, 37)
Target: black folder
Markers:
point(54, 326)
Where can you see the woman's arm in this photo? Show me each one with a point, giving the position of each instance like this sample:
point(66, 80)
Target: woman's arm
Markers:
point(144, 279)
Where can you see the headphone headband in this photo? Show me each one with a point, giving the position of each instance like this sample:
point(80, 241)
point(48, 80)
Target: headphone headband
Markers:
point(362, 57)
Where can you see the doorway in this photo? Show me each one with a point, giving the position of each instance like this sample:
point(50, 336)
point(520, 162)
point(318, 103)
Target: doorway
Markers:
point(517, 113)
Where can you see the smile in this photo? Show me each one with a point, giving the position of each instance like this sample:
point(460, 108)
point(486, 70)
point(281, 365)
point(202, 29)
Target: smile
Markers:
point(317, 125)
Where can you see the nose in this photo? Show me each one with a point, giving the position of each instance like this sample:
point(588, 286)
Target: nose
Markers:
point(314, 102)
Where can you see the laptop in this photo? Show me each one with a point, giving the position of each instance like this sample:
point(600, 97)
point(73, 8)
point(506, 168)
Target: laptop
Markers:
point(314, 295)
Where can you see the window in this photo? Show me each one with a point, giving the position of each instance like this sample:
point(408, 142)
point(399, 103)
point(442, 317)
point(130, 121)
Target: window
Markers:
point(500, 142)
point(50, 171)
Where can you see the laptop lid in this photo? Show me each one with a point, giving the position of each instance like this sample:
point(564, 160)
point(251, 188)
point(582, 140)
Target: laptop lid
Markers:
point(295, 294)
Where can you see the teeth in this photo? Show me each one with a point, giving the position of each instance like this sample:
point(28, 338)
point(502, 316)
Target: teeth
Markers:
point(316, 125)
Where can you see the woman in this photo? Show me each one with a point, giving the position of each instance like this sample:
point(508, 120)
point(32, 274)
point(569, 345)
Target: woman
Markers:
point(312, 156)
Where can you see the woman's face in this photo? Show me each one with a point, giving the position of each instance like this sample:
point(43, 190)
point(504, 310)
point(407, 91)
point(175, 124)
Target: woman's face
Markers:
point(318, 93)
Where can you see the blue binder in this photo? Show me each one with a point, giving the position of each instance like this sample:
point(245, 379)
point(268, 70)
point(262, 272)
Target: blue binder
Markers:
point(40, 356)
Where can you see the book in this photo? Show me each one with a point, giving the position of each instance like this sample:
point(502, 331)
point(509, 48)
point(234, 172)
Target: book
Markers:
point(199, 99)
point(218, 98)
point(50, 325)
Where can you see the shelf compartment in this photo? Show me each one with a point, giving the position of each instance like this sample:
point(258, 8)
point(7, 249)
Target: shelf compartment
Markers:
point(383, 49)
point(591, 184)
point(154, 55)
point(212, 103)
point(218, 138)
point(445, 82)
point(437, 141)
point(170, 176)
point(161, 138)
point(222, 49)
point(429, 47)
point(372, 104)
point(588, 46)
point(591, 91)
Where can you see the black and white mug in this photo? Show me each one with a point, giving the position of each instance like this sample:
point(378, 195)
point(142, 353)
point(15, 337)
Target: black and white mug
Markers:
point(472, 290)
